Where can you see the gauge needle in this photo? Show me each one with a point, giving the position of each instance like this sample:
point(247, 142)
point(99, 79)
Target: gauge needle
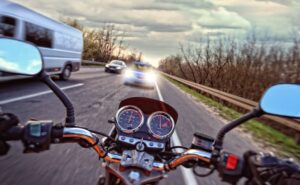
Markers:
point(165, 124)
point(129, 121)
point(160, 122)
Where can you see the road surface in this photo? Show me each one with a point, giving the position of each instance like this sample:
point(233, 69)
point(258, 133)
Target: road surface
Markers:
point(95, 95)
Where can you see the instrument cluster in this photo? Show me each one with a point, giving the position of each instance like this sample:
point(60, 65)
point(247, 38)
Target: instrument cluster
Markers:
point(131, 121)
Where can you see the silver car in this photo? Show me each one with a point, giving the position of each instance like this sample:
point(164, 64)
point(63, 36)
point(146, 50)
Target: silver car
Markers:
point(140, 74)
point(115, 66)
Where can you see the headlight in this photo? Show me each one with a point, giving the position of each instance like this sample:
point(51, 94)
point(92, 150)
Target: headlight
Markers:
point(106, 65)
point(150, 77)
point(128, 73)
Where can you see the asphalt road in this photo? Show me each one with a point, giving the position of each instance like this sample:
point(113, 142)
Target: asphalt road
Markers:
point(96, 96)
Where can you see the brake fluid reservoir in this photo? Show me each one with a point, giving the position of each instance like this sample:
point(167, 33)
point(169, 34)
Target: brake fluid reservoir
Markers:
point(202, 142)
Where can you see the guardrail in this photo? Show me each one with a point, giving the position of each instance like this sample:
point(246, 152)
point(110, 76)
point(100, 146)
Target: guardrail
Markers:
point(237, 101)
point(87, 62)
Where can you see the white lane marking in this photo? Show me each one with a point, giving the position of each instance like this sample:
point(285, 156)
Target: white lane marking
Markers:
point(37, 94)
point(158, 92)
point(188, 175)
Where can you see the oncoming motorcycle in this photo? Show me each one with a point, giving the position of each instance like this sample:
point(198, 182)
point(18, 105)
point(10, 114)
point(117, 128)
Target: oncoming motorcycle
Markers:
point(137, 150)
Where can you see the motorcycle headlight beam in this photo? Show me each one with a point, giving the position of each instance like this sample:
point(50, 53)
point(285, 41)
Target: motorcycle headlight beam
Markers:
point(150, 77)
point(128, 73)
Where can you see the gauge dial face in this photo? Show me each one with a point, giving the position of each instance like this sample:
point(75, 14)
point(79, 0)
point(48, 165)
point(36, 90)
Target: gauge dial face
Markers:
point(129, 119)
point(161, 125)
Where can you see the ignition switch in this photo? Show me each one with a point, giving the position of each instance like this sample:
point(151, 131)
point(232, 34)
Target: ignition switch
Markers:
point(140, 147)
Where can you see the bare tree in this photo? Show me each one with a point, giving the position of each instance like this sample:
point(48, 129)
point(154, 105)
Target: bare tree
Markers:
point(187, 56)
point(243, 68)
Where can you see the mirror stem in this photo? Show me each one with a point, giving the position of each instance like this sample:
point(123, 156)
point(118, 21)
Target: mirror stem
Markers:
point(70, 119)
point(220, 136)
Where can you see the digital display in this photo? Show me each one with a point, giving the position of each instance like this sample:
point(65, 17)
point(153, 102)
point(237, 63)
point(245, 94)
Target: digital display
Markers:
point(35, 130)
point(203, 142)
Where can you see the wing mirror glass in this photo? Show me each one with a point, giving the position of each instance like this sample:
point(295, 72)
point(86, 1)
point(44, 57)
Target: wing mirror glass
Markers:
point(282, 100)
point(19, 57)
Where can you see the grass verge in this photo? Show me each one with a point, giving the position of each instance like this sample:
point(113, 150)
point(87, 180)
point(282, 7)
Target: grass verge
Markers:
point(283, 144)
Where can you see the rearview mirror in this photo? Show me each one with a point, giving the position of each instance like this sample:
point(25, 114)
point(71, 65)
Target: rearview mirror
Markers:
point(282, 100)
point(19, 57)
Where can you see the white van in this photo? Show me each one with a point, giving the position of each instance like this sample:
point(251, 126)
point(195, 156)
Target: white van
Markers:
point(61, 45)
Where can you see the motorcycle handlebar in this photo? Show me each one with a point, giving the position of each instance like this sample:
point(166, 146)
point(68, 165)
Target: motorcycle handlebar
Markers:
point(231, 171)
point(80, 133)
point(13, 134)
point(17, 133)
point(75, 134)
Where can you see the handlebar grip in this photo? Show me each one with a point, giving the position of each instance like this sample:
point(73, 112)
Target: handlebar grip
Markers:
point(17, 133)
point(13, 134)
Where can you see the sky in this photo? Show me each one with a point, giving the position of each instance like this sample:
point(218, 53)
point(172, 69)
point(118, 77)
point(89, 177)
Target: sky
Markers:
point(156, 27)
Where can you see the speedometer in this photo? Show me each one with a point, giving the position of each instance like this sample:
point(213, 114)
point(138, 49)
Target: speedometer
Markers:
point(161, 125)
point(129, 119)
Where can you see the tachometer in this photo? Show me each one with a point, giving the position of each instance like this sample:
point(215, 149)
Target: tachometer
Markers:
point(129, 119)
point(161, 125)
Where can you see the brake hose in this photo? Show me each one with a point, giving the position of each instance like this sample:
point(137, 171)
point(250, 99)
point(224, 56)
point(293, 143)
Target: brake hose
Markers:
point(205, 174)
point(174, 147)
point(99, 133)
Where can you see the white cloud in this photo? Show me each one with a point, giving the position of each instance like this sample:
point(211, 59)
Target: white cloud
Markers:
point(8, 65)
point(156, 26)
point(220, 18)
point(279, 17)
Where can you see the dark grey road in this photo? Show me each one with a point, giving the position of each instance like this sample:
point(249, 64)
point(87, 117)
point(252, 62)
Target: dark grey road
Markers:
point(95, 101)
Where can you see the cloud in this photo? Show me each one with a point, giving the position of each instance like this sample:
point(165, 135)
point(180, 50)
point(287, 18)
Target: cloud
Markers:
point(156, 17)
point(153, 20)
point(202, 4)
point(278, 18)
point(157, 26)
point(223, 19)
point(8, 66)
point(285, 2)
point(155, 5)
